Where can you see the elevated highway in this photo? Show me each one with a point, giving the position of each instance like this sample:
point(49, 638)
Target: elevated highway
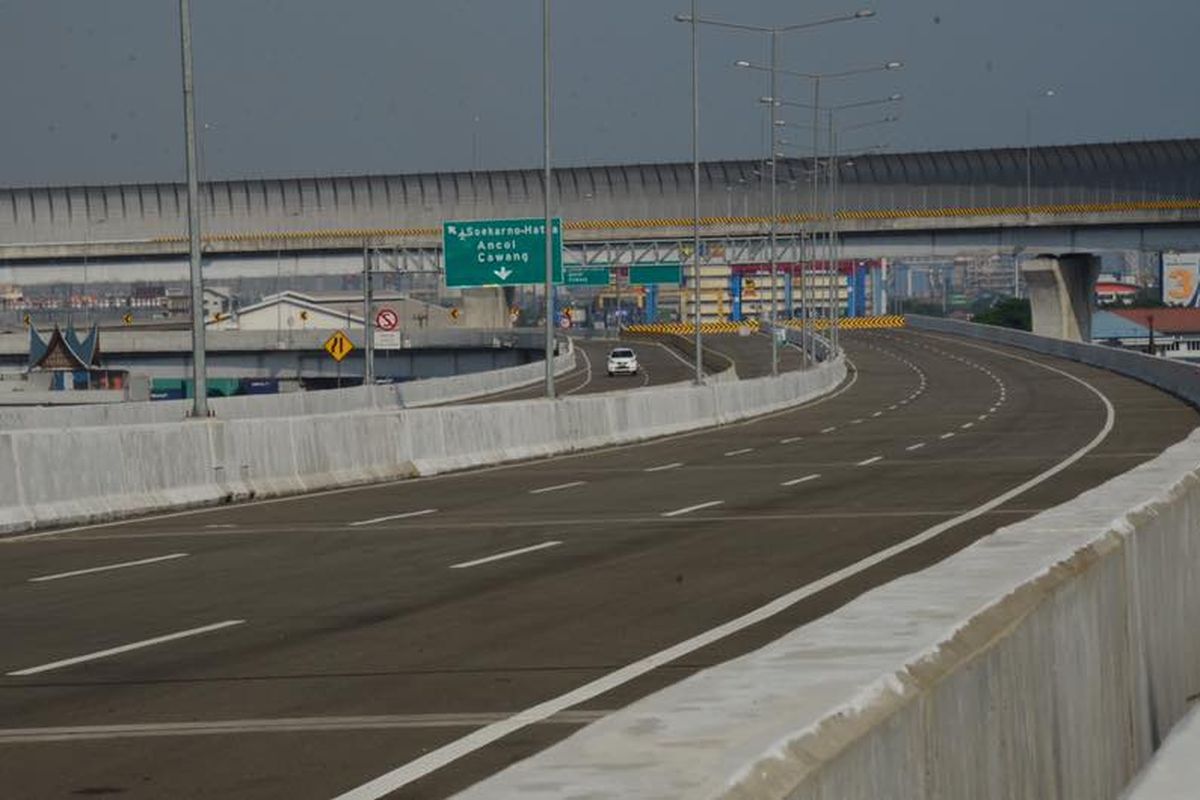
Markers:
point(1081, 198)
point(313, 644)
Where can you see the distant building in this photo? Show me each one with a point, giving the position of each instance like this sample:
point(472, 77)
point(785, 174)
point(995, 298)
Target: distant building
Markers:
point(1109, 292)
point(1175, 331)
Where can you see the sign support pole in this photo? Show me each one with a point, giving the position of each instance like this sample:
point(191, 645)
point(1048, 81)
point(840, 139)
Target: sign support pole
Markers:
point(546, 176)
point(368, 321)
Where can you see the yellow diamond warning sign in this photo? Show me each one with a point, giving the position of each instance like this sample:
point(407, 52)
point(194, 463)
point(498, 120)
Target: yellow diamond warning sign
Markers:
point(338, 345)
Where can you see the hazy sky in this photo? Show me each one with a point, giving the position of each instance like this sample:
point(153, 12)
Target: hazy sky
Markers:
point(90, 88)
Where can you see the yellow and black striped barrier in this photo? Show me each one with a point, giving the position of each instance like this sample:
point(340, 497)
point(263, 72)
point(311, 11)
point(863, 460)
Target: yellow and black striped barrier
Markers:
point(682, 328)
point(881, 322)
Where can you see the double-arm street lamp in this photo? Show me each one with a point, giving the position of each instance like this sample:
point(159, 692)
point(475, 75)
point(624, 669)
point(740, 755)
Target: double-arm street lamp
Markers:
point(1044, 93)
point(816, 78)
point(695, 20)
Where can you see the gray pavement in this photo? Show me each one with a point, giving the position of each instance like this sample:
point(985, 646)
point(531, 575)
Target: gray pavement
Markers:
point(365, 628)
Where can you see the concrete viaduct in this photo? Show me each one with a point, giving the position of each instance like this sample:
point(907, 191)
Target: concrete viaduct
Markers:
point(1071, 200)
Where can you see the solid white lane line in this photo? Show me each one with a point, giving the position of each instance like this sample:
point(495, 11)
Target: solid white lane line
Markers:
point(482, 737)
point(391, 517)
point(587, 373)
point(505, 554)
point(679, 511)
point(791, 439)
point(107, 567)
point(557, 487)
point(870, 460)
point(916, 446)
point(830, 429)
point(966, 425)
point(125, 648)
point(740, 452)
point(672, 465)
point(805, 479)
point(946, 435)
point(221, 526)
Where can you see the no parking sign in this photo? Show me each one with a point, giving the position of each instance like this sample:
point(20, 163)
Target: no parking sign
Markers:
point(386, 319)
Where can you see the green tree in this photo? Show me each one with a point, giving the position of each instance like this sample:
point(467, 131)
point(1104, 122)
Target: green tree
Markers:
point(1011, 312)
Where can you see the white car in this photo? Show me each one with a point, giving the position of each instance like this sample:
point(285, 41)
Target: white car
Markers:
point(622, 361)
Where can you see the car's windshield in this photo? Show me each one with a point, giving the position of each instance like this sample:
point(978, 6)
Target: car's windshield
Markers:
point(621, 354)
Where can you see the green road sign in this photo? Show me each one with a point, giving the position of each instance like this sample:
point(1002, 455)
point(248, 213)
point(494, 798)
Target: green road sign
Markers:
point(660, 273)
point(499, 252)
point(587, 276)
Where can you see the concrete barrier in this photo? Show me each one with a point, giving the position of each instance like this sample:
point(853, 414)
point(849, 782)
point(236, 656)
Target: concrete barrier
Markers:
point(1174, 774)
point(1046, 660)
point(1176, 377)
point(123, 469)
point(411, 394)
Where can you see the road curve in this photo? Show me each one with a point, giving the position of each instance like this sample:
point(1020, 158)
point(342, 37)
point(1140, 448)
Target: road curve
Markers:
point(302, 647)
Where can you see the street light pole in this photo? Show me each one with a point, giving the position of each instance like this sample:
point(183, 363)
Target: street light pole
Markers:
point(774, 31)
point(546, 178)
point(774, 204)
point(199, 372)
point(807, 334)
point(696, 188)
point(1028, 185)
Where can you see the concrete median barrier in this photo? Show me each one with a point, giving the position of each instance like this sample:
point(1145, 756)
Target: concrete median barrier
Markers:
point(412, 394)
point(1047, 660)
point(116, 470)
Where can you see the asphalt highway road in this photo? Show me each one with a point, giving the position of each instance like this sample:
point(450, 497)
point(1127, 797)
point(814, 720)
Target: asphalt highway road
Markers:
point(659, 363)
point(300, 648)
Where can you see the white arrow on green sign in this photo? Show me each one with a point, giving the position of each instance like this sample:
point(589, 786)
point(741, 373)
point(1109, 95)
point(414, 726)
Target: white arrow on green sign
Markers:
point(500, 252)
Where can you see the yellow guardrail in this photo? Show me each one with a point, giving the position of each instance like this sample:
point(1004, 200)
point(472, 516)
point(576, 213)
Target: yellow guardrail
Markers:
point(360, 234)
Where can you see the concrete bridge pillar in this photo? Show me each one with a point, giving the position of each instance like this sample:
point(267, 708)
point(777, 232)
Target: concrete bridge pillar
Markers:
point(1061, 292)
point(485, 308)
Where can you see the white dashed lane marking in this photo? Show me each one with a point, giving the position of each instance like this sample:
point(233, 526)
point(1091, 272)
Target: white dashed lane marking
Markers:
point(504, 555)
point(557, 487)
point(689, 509)
point(805, 479)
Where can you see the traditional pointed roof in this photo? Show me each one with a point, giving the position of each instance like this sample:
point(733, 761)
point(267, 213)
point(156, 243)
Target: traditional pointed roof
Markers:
point(87, 349)
point(63, 351)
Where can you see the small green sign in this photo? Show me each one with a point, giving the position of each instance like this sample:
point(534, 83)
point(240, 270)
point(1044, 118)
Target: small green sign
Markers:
point(659, 273)
point(499, 252)
point(587, 276)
